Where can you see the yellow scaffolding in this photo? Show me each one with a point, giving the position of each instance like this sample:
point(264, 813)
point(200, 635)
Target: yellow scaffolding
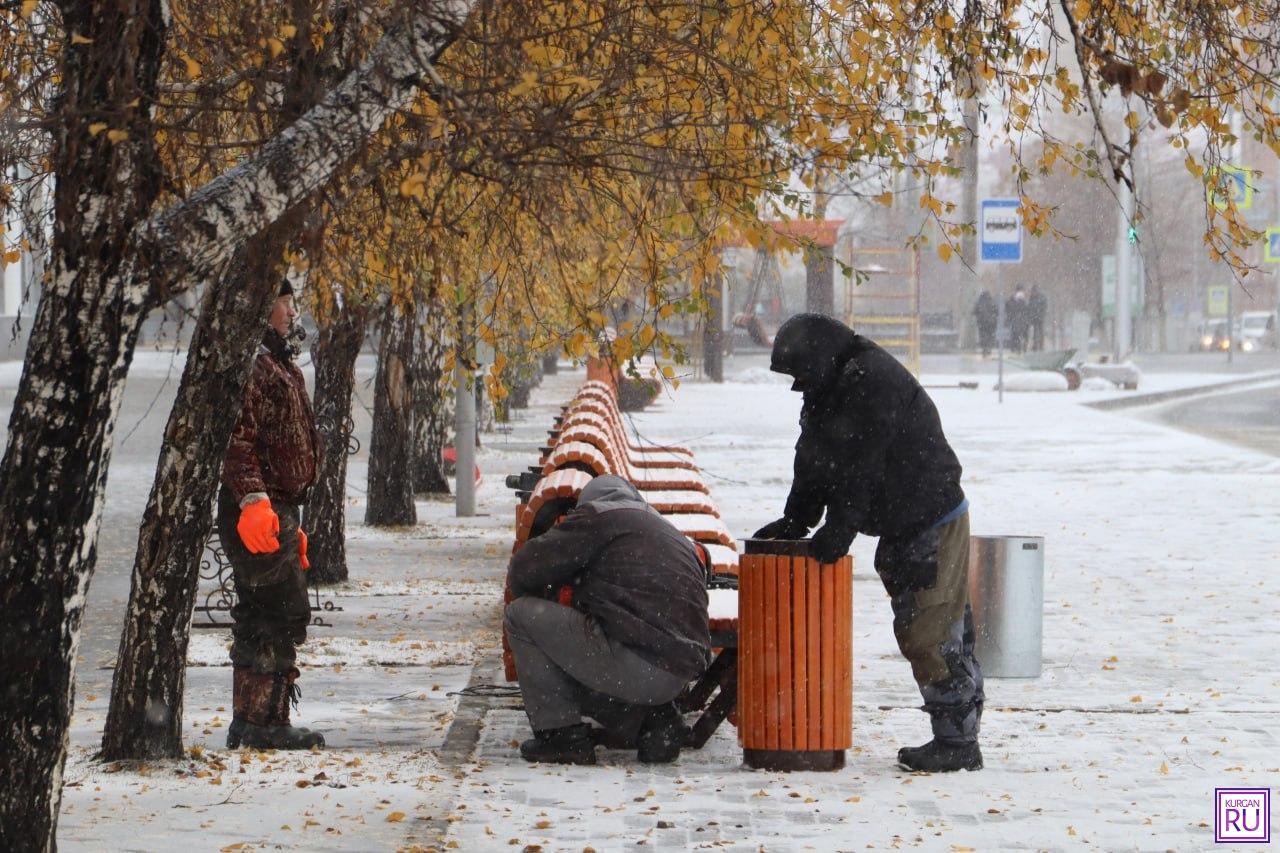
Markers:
point(882, 300)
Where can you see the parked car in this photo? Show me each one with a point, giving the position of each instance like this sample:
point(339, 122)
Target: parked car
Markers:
point(1212, 336)
point(1256, 330)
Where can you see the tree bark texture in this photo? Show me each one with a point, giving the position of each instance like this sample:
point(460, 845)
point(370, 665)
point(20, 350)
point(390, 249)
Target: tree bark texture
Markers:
point(712, 334)
point(820, 280)
point(85, 329)
point(197, 236)
point(325, 519)
point(432, 412)
point(145, 716)
point(391, 446)
point(54, 470)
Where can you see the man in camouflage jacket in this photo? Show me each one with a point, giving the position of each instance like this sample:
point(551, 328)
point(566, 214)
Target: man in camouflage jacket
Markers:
point(270, 464)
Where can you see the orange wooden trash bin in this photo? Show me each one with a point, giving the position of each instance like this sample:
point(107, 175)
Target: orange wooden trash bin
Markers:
point(795, 646)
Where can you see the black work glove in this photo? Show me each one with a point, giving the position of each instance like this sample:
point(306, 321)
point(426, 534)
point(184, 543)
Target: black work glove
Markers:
point(783, 528)
point(831, 542)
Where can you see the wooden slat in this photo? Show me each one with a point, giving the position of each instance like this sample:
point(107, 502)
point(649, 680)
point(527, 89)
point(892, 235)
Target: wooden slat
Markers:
point(744, 653)
point(748, 632)
point(758, 687)
point(786, 687)
point(827, 738)
point(770, 611)
point(844, 736)
point(799, 657)
point(813, 616)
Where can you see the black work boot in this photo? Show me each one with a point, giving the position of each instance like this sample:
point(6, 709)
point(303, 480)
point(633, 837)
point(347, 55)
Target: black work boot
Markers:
point(262, 721)
point(940, 756)
point(566, 745)
point(662, 735)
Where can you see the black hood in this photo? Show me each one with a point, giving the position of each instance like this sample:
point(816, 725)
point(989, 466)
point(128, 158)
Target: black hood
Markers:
point(811, 348)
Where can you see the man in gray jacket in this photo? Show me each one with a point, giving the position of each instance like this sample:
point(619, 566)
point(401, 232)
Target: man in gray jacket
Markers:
point(636, 631)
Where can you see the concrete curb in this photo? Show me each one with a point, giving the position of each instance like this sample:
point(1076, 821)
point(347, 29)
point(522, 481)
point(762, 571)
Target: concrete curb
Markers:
point(464, 732)
point(1179, 393)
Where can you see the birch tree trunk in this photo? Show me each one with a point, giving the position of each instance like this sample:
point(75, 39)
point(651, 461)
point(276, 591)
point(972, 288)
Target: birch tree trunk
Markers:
point(325, 520)
point(145, 716)
point(433, 415)
point(55, 466)
point(391, 446)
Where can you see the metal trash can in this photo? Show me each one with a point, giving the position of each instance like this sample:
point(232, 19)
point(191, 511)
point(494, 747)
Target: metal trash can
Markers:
point(1006, 590)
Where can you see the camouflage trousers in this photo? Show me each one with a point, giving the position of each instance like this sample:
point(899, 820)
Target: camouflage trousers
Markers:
point(272, 609)
point(927, 578)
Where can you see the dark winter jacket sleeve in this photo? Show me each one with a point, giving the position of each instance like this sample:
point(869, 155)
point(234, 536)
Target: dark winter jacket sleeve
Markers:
point(556, 557)
point(808, 497)
point(242, 467)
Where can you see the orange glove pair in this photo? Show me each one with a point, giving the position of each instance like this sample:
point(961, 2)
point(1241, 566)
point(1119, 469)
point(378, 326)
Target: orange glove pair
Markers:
point(259, 527)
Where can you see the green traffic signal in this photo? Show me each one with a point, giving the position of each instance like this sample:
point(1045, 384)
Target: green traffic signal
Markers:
point(1133, 235)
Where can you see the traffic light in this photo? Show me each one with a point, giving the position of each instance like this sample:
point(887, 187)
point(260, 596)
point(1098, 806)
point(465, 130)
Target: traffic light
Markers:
point(1133, 235)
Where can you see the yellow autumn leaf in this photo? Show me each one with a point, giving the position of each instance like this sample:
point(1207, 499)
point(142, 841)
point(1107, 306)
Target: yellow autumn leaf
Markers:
point(288, 31)
point(97, 127)
point(1164, 768)
point(193, 67)
point(885, 198)
point(28, 8)
point(275, 46)
point(395, 817)
point(76, 38)
point(944, 252)
point(117, 135)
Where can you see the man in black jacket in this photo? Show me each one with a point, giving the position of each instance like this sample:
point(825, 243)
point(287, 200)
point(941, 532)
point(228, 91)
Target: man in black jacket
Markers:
point(637, 631)
point(872, 455)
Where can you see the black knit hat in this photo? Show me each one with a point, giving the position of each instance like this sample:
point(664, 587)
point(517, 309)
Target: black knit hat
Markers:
point(286, 288)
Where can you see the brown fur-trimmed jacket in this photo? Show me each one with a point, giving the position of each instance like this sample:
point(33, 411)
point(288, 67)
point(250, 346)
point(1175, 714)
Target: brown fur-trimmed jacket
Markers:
point(275, 446)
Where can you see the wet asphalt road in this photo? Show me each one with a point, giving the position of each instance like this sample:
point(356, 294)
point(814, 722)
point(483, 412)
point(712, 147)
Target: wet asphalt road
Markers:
point(1250, 418)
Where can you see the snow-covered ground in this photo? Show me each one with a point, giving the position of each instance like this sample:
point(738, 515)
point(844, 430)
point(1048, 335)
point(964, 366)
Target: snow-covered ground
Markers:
point(1160, 681)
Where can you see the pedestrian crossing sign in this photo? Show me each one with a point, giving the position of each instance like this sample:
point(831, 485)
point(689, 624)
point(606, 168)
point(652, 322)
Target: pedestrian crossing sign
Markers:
point(1271, 249)
point(1230, 185)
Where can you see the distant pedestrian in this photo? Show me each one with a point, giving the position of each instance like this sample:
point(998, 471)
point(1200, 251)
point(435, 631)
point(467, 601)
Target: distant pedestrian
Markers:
point(1037, 308)
point(1017, 316)
point(986, 313)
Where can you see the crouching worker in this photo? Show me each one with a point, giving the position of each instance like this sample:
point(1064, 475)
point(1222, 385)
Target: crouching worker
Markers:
point(269, 466)
point(872, 455)
point(636, 632)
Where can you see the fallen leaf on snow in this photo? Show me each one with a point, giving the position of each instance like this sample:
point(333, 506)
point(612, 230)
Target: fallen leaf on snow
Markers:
point(395, 817)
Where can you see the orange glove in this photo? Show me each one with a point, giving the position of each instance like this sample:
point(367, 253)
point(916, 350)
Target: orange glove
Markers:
point(258, 526)
point(302, 549)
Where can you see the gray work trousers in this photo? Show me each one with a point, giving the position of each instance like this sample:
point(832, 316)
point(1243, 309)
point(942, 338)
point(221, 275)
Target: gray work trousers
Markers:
point(933, 624)
point(563, 658)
